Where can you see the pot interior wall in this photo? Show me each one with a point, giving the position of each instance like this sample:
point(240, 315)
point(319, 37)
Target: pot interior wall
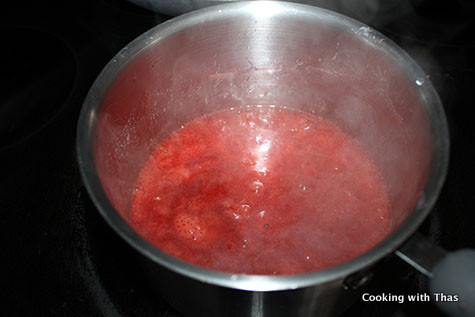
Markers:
point(318, 66)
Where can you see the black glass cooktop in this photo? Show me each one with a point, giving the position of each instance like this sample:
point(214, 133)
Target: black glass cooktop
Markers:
point(61, 259)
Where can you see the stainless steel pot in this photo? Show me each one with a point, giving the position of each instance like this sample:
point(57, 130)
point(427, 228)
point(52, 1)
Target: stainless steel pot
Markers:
point(177, 7)
point(251, 53)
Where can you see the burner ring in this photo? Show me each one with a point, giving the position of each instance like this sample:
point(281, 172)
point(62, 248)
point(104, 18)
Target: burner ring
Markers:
point(39, 72)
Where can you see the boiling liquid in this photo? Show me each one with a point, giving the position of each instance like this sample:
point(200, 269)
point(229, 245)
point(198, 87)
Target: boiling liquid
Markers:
point(261, 190)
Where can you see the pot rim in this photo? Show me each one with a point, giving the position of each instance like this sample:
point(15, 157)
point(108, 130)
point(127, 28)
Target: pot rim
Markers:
point(427, 93)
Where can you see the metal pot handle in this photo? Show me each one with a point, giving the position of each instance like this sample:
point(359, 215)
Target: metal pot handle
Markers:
point(451, 274)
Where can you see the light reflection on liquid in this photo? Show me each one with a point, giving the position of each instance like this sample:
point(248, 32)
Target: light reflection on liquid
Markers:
point(261, 153)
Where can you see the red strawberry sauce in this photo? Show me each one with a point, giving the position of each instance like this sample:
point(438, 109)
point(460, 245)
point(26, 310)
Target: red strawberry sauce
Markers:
point(261, 190)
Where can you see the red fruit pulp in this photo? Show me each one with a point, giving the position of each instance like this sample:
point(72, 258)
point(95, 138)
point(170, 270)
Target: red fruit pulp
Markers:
point(261, 190)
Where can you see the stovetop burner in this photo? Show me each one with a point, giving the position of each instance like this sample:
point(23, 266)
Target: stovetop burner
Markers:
point(62, 258)
point(36, 86)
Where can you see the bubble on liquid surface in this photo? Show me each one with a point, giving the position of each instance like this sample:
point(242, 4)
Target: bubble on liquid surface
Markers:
point(245, 207)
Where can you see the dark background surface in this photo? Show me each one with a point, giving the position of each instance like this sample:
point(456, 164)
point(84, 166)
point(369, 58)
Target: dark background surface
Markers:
point(63, 260)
